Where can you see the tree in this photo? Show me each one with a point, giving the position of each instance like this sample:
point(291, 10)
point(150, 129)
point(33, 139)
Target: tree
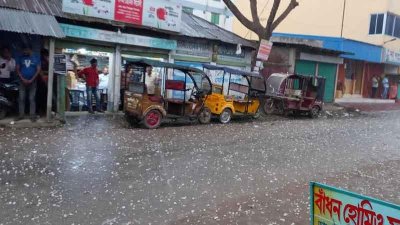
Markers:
point(263, 31)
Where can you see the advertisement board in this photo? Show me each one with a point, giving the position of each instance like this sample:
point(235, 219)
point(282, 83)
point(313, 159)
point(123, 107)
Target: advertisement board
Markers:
point(265, 50)
point(160, 14)
point(129, 11)
point(114, 37)
point(333, 206)
point(60, 64)
point(391, 57)
point(94, 8)
point(202, 50)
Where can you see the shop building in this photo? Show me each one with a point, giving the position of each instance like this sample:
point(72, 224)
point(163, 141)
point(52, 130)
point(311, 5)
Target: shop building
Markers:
point(201, 42)
point(369, 30)
point(362, 61)
point(18, 28)
point(305, 57)
point(191, 40)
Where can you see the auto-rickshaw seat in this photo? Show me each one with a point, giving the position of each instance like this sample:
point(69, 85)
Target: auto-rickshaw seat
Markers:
point(177, 85)
point(239, 88)
point(175, 100)
point(155, 98)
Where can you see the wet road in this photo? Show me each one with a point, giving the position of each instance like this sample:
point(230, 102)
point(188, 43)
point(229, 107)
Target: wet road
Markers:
point(97, 171)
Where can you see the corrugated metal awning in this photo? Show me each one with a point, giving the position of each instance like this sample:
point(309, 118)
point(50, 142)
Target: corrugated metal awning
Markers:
point(29, 23)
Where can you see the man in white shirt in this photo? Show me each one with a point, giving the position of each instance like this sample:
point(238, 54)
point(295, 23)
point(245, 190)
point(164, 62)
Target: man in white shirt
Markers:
point(7, 65)
point(103, 79)
point(151, 81)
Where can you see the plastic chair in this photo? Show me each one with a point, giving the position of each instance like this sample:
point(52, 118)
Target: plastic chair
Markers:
point(77, 100)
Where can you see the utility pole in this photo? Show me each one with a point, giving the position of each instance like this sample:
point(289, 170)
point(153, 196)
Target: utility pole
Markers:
point(343, 15)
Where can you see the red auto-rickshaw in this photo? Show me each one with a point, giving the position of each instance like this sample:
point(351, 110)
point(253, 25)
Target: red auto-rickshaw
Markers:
point(295, 94)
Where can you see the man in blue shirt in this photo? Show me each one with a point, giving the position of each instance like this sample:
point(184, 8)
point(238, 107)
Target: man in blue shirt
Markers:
point(28, 69)
point(385, 84)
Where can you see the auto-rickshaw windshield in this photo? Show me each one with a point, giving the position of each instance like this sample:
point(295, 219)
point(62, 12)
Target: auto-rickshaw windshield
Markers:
point(203, 83)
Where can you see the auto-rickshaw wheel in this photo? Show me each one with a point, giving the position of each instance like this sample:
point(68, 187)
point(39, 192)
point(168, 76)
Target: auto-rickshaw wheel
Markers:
point(314, 112)
point(269, 107)
point(225, 116)
point(152, 119)
point(204, 116)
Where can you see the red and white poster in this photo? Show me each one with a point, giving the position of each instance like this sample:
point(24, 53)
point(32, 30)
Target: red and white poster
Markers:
point(129, 11)
point(161, 14)
point(265, 50)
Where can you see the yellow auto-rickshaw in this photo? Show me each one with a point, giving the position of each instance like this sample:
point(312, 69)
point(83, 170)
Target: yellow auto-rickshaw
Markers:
point(234, 92)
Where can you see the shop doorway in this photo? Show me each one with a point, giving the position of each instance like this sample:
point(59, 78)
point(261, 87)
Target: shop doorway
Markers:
point(328, 71)
point(76, 89)
point(354, 73)
point(359, 71)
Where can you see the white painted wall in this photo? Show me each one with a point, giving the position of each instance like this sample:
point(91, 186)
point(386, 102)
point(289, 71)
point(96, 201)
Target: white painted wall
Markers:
point(204, 8)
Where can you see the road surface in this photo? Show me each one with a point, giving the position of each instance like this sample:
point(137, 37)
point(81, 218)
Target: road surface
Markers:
point(96, 170)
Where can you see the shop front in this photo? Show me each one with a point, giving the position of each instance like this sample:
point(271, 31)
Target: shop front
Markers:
point(392, 71)
point(279, 61)
point(36, 32)
point(320, 65)
point(112, 50)
point(233, 56)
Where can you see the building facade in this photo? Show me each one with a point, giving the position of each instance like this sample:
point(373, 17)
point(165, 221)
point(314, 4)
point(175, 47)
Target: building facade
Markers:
point(213, 11)
point(114, 40)
point(368, 31)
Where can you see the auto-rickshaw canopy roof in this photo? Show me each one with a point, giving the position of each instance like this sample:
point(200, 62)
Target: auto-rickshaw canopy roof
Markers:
point(231, 71)
point(155, 63)
point(274, 82)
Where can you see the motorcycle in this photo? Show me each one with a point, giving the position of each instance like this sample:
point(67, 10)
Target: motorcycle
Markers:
point(8, 98)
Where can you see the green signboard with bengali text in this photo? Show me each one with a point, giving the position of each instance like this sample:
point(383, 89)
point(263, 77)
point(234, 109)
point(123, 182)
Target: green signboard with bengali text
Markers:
point(333, 206)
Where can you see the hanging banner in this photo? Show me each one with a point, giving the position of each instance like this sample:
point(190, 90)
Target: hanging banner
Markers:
point(160, 14)
point(129, 11)
point(265, 50)
point(330, 205)
point(94, 8)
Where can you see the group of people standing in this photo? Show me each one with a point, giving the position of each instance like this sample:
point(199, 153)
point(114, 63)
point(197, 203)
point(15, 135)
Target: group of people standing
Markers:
point(375, 86)
point(27, 69)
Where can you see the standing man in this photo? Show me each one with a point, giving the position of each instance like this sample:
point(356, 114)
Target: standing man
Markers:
point(151, 81)
point(103, 86)
point(385, 84)
point(28, 69)
point(375, 85)
point(91, 75)
point(103, 79)
point(7, 65)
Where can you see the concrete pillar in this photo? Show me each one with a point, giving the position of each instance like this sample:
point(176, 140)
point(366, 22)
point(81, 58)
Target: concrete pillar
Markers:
point(50, 80)
point(61, 97)
point(117, 77)
point(292, 59)
point(111, 83)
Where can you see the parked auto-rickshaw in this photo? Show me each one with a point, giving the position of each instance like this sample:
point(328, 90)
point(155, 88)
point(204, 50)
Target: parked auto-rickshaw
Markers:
point(295, 94)
point(235, 92)
point(178, 92)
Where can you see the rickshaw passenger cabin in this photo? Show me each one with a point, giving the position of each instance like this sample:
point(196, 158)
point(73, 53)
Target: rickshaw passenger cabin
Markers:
point(163, 102)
